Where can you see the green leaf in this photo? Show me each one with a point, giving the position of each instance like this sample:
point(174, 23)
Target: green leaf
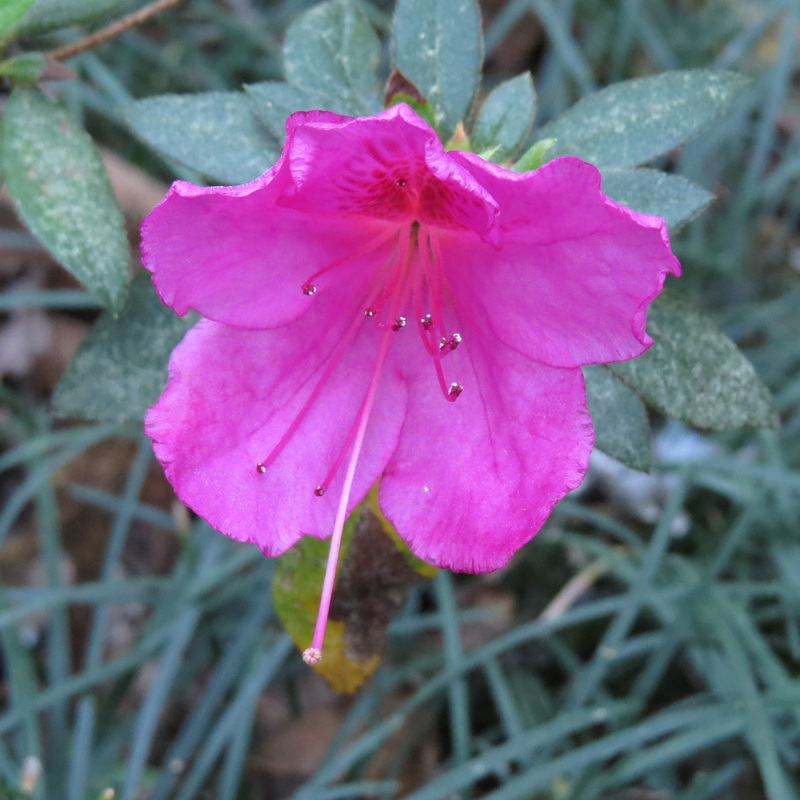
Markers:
point(215, 133)
point(438, 46)
point(534, 156)
point(633, 122)
point(275, 102)
point(506, 118)
point(374, 575)
point(10, 13)
point(60, 189)
point(47, 15)
point(332, 49)
point(697, 374)
point(650, 191)
point(621, 426)
point(121, 368)
point(26, 68)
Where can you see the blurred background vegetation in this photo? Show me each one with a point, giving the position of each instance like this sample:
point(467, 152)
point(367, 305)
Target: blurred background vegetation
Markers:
point(645, 646)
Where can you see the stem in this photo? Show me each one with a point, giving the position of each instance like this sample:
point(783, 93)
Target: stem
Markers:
point(113, 30)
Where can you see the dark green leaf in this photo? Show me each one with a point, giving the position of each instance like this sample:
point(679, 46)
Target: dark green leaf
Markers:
point(438, 46)
point(333, 50)
point(121, 368)
point(47, 15)
point(621, 427)
point(505, 119)
point(10, 13)
point(215, 133)
point(697, 374)
point(61, 191)
point(274, 103)
point(633, 122)
point(650, 191)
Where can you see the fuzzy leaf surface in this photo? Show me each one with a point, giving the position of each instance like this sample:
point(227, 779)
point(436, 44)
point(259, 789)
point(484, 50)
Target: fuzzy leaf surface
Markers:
point(438, 46)
point(635, 121)
point(333, 50)
point(47, 15)
point(215, 133)
point(506, 118)
point(61, 191)
point(121, 367)
point(275, 102)
point(696, 373)
point(650, 191)
point(621, 426)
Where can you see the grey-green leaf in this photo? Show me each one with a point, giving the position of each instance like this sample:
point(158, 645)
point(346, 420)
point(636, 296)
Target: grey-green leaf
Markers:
point(215, 133)
point(633, 122)
point(506, 118)
point(275, 102)
point(10, 13)
point(61, 191)
point(121, 368)
point(47, 15)
point(438, 46)
point(650, 191)
point(696, 373)
point(621, 426)
point(333, 50)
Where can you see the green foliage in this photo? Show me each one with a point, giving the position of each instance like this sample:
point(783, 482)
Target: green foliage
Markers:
point(48, 15)
point(216, 133)
point(333, 50)
point(438, 46)
point(10, 13)
point(506, 118)
point(633, 122)
point(120, 369)
point(697, 374)
point(61, 191)
point(649, 191)
point(621, 427)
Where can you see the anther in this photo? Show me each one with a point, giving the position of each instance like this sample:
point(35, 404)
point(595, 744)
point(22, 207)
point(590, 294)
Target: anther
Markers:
point(319, 491)
point(454, 390)
point(261, 468)
point(309, 289)
point(312, 656)
point(427, 321)
point(369, 312)
point(401, 183)
point(450, 344)
point(400, 322)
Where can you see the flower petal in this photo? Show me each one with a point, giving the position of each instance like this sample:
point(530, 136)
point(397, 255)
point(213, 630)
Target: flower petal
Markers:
point(472, 481)
point(232, 395)
point(574, 272)
point(391, 166)
point(236, 256)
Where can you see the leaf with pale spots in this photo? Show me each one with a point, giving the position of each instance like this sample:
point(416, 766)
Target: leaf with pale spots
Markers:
point(60, 189)
point(696, 373)
point(121, 367)
point(621, 426)
point(374, 576)
point(439, 47)
point(633, 122)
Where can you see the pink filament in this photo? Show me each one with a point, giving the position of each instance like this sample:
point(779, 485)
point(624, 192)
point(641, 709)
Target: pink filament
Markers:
point(313, 654)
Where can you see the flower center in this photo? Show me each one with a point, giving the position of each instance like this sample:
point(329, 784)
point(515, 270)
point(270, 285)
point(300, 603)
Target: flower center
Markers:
point(412, 278)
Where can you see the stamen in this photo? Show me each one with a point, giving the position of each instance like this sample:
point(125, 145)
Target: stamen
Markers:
point(370, 312)
point(308, 286)
point(427, 321)
point(454, 390)
point(400, 322)
point(314, 653)
point(402, 182)
point(261, 468)
point(451, 343)
point(319, 491)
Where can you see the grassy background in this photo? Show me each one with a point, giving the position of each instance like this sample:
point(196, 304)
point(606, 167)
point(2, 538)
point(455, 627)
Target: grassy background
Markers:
point(645, 646)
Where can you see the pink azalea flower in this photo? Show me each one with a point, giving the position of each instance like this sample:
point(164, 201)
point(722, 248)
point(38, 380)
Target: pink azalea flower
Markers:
point(378, 308)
